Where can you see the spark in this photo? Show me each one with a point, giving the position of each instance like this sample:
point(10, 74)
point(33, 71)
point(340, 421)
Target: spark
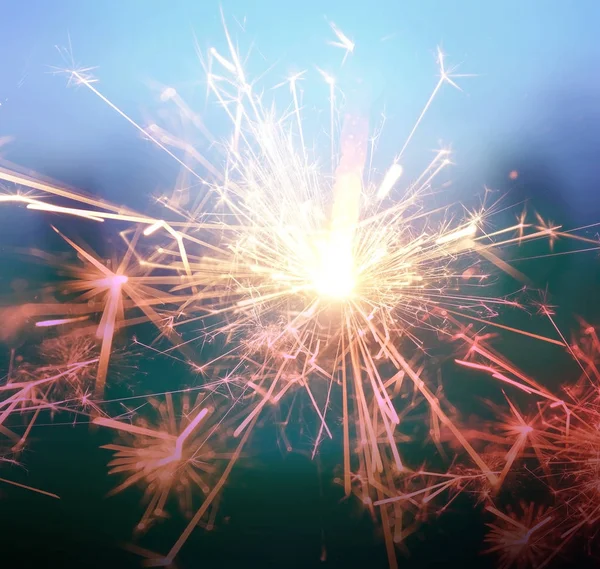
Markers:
point(522, 542)
point(170, 458)
point(343, 41)
point(30, 488)
point(60, 321)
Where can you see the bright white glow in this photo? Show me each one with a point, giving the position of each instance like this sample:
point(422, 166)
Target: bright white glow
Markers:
point(391, 177)
point(334, 274)
point(119, 280)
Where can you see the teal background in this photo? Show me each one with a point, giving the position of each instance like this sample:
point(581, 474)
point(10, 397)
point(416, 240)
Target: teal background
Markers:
point(532, 107)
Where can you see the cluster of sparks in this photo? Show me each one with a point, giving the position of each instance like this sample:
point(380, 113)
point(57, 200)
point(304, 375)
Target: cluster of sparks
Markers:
point(332, 286)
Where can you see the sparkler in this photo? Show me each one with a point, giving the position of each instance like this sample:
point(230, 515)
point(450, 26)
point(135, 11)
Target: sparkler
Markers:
point(561, 436)
point(177, 456)
point(321, 281)
point(524, 542)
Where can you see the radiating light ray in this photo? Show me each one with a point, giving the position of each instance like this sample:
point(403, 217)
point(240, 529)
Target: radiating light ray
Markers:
point(60, 321)
point(30, 488)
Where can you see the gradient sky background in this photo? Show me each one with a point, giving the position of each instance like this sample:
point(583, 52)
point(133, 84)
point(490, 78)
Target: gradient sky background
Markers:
point(534, 98)
point(534, 105)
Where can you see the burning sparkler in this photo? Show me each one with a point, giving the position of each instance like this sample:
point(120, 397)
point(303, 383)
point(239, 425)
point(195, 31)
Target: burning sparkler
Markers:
point(322, 281)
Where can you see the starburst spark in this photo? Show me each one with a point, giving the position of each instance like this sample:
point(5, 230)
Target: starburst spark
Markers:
point(353, 275)
point(524, 539)
point(174, 454)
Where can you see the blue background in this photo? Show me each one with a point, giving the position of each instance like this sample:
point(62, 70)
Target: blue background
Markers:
point(534, 98)
point(534, 107)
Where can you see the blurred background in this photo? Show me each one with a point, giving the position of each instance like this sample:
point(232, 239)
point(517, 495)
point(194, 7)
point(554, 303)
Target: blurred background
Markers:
point(526, 124)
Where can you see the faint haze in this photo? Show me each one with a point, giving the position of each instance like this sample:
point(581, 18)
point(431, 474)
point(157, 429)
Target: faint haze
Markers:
point(531, 106)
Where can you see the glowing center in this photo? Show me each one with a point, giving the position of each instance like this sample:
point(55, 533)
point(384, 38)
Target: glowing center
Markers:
point(334, 275)
point(118, 280)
